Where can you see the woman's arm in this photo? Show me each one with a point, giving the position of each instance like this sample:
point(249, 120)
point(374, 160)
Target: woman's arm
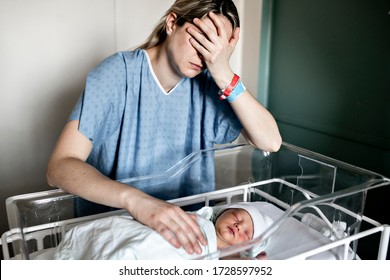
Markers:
point(68, 170)
point(216, 44)
point(260, 127)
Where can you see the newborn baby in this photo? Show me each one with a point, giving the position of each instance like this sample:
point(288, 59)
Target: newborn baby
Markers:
point(121, 237)
point(240, 222)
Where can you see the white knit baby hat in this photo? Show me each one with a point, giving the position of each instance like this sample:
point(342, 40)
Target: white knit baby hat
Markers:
point(261, 222)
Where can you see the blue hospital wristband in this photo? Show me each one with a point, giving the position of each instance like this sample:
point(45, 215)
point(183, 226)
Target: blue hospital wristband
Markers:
point(236, 92)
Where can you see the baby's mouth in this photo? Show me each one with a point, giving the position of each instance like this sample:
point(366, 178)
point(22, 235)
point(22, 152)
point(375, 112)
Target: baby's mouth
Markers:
point(231, 230)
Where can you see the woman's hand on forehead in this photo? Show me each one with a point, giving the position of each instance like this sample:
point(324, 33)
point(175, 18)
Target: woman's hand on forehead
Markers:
point(221, 28)
point(207, 24)
point(213, 38)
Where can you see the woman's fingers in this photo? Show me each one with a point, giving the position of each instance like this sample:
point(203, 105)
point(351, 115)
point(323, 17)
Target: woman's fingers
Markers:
point(189, 233)
point(192, 221)
point(174, 225)
point(177, 227)
point(220, 28)
point(200, 42)
point(236, 35)
point(169, 236)
point(209, 36)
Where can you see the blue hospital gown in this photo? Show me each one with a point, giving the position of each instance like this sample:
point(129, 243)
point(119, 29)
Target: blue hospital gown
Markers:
point(137, 129)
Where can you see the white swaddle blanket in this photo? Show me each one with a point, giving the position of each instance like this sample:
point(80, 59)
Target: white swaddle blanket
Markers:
point(123, 238)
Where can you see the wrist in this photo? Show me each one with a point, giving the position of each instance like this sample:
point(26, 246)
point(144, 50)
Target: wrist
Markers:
point(130, 197)
point(224, 80)
point(233, 90)
point(236, 92)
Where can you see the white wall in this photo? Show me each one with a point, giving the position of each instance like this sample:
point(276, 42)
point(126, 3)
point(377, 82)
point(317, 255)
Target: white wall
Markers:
point(46, 49)
point(250, 40)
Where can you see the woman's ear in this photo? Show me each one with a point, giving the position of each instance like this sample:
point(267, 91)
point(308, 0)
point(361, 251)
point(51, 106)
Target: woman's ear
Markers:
point(170, 23)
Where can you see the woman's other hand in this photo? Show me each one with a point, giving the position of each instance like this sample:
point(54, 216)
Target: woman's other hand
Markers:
point(175, 225)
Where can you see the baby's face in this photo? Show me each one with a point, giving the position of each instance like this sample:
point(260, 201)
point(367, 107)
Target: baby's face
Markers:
point(233, 226)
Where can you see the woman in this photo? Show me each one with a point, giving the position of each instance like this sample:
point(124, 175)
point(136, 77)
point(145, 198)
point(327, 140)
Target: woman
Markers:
point(143, 110)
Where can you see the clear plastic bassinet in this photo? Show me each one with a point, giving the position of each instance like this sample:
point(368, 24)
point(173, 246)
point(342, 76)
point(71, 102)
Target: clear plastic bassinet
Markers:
point(317, 203)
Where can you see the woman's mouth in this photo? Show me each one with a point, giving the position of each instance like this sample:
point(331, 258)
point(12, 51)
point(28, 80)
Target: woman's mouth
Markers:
point(196, 66)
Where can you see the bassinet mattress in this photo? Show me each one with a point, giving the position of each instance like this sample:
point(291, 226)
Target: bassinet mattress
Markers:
point(294, 237)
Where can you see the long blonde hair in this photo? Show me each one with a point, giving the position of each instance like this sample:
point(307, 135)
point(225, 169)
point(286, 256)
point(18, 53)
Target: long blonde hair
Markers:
point(186, 11)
